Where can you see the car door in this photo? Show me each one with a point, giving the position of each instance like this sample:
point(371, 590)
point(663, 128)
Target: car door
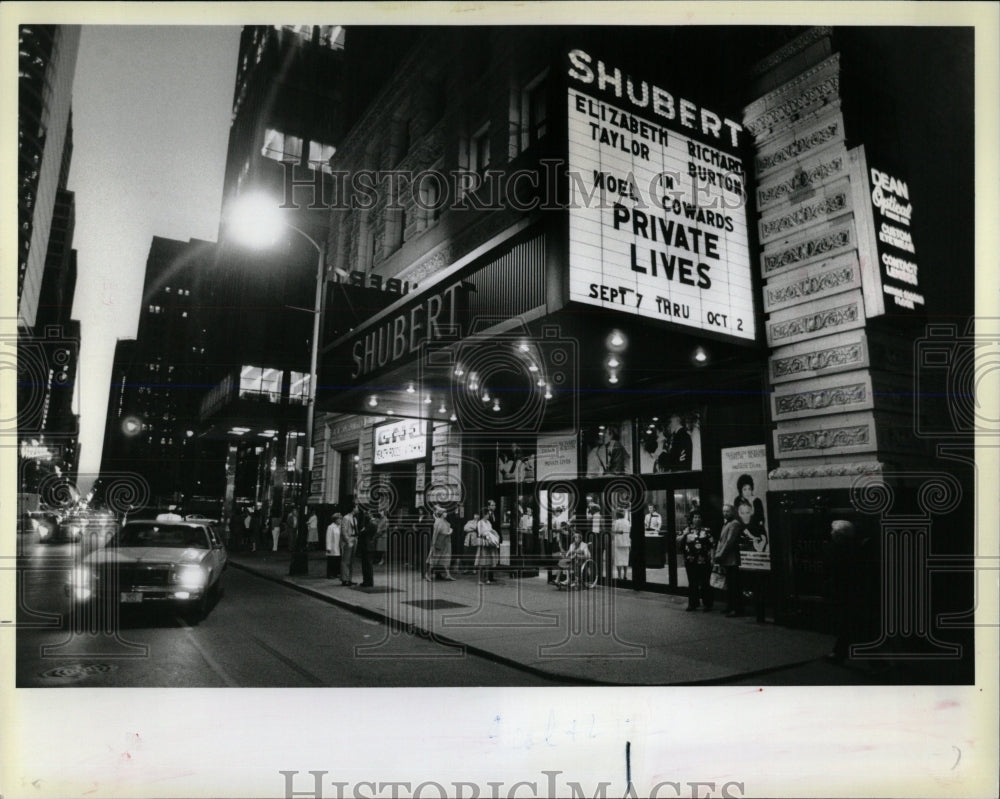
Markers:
point(217, 557)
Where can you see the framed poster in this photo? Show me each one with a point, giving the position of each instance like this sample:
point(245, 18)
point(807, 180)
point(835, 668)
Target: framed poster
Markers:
point(607, 449)
point(670, 442)
point(744, 485)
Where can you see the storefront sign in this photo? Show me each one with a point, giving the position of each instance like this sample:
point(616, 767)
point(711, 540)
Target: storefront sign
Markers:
point(405, 440)
point(885, 239)
point(744, 481)
point(556, 457)
point(657, 216)
point(433, 317)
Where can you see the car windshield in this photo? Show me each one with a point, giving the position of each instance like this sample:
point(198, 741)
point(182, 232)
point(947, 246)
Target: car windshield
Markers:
point(162, 535)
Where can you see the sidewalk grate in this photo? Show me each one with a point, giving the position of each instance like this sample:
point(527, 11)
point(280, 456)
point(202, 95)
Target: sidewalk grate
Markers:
point(434, 604)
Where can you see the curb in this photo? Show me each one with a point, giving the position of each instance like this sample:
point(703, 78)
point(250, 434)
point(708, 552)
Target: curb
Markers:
point(487, 654)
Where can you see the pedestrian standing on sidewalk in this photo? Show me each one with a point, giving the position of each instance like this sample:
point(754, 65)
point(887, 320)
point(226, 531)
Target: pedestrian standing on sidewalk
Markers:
point(292, 527)
point(488, 549)
point(440, 549)
point(333, 547)
point(470, 544)
point(622, 530)
point(312, 525)
point(366, 536)
point(348, 541)
point(727, 555)
point(275, 526)
point(255, 527)
point(381, 536)
point(454, 520)
point(697, 546)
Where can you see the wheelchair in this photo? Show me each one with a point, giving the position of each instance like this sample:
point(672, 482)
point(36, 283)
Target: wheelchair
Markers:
point(580, 574)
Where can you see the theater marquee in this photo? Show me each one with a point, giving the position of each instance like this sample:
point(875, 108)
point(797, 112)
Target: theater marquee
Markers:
point(657, 204)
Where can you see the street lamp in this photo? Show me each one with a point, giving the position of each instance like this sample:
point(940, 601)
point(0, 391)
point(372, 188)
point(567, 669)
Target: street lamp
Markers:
point(255, 221)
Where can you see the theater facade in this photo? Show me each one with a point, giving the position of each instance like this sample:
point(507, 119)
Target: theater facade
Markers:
point(623, 288)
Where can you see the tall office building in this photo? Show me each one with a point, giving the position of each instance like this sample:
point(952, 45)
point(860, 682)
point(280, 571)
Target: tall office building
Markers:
point(158, 379)
point(47, 61)
point(48, 340)
point(286, 121)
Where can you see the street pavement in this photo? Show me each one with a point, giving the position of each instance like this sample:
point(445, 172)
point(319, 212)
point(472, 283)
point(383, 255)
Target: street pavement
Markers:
point(598, 635)
point(260, 634)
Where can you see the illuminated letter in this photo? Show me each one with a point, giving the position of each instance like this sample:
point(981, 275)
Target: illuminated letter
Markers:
point(603, 79)
point(663, 103)
point(580, 70)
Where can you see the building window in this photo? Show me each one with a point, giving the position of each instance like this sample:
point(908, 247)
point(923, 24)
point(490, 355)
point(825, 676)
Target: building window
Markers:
point(395, 227)
point(529, 114)
point(430, 198)
point(320, 155)
point(280, 146)
point(479, 150)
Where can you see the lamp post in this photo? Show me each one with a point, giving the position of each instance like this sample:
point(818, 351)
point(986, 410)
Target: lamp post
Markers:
point(255, 220)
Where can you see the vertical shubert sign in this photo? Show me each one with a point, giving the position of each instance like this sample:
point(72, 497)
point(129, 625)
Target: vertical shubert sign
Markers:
point(657, 204)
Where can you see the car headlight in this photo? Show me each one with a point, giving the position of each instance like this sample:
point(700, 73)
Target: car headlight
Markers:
point(191, 576)
point(82, 582)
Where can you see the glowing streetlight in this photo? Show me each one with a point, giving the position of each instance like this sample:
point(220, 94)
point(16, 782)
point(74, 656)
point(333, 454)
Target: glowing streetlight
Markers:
point(255, 220)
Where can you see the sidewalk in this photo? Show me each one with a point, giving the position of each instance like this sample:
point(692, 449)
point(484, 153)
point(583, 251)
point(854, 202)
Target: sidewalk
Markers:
point(601, 635)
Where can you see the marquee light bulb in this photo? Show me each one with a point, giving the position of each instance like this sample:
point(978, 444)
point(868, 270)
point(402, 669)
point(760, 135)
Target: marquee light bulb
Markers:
point(496, 405)
point(442, 409)
point(373, 401)
point(613, 378)
point(613, 362)
point(410, 389)
point(427, 400)
point(548, 393)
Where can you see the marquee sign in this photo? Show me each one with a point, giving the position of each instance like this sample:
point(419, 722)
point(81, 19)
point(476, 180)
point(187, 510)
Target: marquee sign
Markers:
point(405, 440)
point(657, 215)
point(889, 270)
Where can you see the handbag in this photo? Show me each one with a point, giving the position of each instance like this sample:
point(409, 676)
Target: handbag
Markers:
point(717, 579)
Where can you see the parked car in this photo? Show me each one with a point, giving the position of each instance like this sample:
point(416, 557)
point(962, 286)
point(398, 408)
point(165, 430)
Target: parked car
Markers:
point(154, 562)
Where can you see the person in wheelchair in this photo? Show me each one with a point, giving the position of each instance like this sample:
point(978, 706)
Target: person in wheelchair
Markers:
point(571, 563)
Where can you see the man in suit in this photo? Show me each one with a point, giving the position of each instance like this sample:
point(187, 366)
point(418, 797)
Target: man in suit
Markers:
point(348, 542)
point(727, 555)
point(680, 447)
point(367, 526)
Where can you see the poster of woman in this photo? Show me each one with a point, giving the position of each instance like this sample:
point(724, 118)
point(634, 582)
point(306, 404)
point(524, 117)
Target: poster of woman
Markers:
point(744, 482)
point(670, 442)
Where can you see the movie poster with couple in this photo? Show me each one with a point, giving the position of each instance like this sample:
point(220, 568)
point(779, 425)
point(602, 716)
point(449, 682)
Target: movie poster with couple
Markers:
point(515, 463)
point(670, 442)
point(744, 483)
point(607, 449)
